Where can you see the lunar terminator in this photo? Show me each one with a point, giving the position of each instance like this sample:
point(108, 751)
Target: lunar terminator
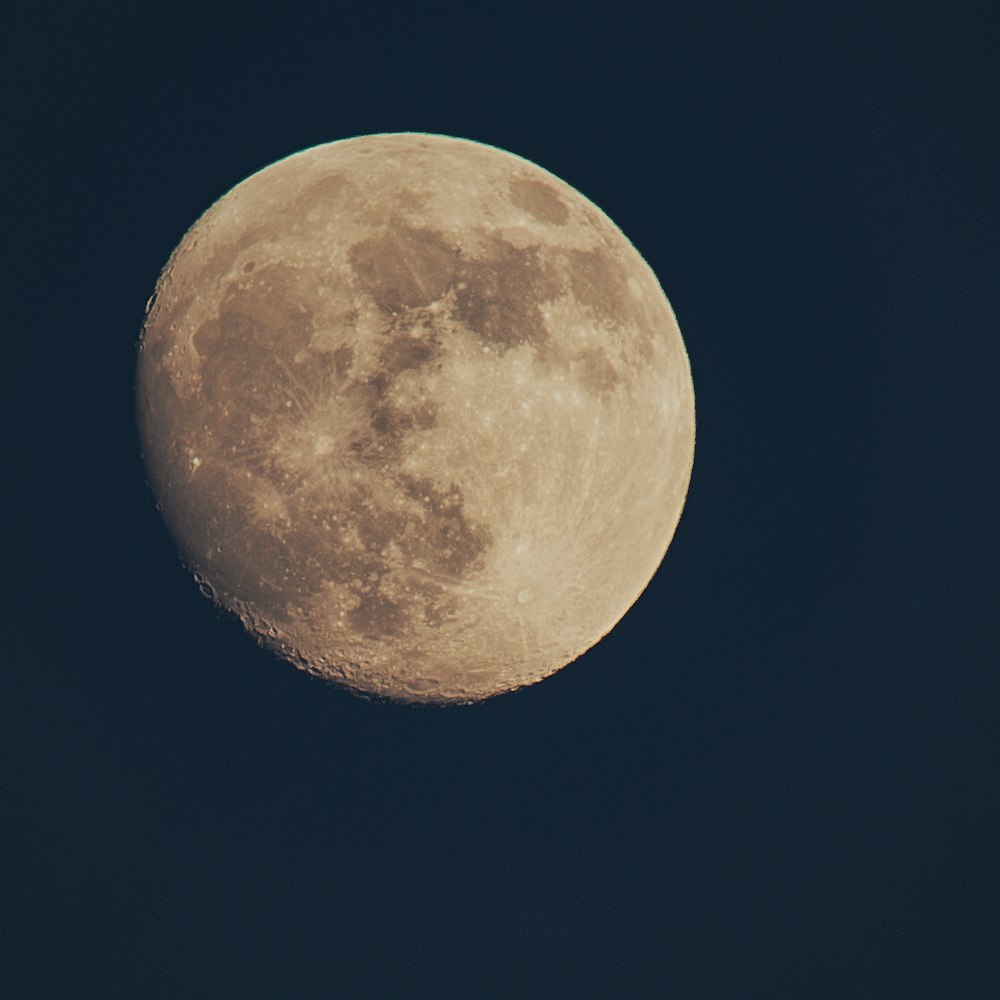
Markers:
point(418, 413)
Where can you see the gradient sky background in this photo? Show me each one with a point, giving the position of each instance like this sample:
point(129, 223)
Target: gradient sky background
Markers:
point(776, 778)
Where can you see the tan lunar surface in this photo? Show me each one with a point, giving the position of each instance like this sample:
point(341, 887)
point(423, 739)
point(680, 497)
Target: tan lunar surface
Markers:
point(418, 413)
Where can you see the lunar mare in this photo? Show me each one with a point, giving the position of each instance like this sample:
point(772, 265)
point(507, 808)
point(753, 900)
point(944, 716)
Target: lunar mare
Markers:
point(418, 413)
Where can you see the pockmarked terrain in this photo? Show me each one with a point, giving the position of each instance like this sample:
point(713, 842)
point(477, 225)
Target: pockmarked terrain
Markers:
point(418, 413)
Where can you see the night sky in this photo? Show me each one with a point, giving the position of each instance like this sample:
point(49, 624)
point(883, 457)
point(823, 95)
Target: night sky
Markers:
point(776, 778)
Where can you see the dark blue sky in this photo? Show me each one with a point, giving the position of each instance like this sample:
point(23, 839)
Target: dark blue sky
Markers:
point(776, 778)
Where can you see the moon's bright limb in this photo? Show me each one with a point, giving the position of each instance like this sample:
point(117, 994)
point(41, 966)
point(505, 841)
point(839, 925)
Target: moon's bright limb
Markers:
point(418, 413)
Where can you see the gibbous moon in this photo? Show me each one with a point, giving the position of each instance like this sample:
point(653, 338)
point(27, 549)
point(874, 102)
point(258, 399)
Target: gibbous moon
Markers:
point(418, 413)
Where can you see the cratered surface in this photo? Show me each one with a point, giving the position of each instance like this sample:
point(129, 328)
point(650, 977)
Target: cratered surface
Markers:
point(418, 413)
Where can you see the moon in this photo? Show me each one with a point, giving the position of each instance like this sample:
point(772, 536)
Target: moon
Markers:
point(418, 413)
